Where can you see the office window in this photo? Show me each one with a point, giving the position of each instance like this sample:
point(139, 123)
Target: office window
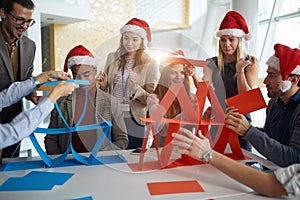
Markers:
point(166, 14)
point(279, 22)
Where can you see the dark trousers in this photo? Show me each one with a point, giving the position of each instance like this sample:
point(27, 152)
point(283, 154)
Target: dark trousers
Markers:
point(11, 151)
point(136, 133)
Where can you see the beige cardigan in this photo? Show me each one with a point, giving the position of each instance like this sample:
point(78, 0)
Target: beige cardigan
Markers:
point(148, 75)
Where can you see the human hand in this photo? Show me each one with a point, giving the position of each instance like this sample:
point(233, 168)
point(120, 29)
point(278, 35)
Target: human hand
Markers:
point(35, 99)
point(243, 63)
point(62, 89)
point(52, 76)
point(189, 70)
point(152, 99)
point(152, 102)
point(102, 80)
point(236, 121)
point(190, 144)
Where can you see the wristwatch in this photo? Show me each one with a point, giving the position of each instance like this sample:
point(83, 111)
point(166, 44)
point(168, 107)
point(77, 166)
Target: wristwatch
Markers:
point(36, 82)
point(207, 156)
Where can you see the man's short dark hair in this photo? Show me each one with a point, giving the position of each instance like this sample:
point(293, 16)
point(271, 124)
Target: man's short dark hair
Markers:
point(7, 5)
point(298, 76)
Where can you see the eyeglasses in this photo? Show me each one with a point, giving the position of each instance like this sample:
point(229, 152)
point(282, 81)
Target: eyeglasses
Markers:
point(21, 20)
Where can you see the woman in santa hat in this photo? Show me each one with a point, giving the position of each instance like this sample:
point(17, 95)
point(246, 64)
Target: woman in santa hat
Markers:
point(174, 71)
point(233, 69)
point(130, 75)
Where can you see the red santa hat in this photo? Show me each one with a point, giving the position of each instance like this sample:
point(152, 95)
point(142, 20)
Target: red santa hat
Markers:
point(287, 61)
point(235, 25)
point(79, 55)
point(139, 27)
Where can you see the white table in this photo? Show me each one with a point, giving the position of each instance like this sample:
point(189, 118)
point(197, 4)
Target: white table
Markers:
point(117, 181)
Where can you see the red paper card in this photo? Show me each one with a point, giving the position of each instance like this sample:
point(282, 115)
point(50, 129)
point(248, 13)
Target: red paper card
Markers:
point(197, 63)
point(145, 166)
point(247, 102)
point(166, 120)
point(173, 187)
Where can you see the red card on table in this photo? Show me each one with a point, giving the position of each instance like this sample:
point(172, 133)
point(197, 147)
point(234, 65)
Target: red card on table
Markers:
point(247, 102)
point(159, 188)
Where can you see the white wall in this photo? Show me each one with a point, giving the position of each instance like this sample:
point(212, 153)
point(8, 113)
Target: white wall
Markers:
point(34, 33)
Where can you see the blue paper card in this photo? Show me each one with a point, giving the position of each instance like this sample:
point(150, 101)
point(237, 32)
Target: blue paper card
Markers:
point(84, 198)
point(36, 164)
point(35, 181)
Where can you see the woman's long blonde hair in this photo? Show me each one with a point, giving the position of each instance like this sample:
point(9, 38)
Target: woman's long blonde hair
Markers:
point(241, 53)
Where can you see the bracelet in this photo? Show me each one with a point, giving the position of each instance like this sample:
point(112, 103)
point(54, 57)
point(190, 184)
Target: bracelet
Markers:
point(240, 71)
point(207, 156)
point(36, 82)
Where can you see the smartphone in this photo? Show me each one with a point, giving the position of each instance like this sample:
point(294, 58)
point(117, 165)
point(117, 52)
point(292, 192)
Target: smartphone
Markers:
point(258, 166)
point(137, 150)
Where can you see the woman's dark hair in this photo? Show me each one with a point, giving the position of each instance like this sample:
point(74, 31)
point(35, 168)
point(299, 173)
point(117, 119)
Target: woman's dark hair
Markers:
point(7, 5)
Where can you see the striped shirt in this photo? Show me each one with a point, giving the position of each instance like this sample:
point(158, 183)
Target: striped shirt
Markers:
point(122, 90)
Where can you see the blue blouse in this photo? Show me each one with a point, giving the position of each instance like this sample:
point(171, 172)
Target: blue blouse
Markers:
point(26, 122)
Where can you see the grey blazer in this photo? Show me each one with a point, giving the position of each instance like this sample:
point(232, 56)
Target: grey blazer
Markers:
point(106, 105)
point(27, 50)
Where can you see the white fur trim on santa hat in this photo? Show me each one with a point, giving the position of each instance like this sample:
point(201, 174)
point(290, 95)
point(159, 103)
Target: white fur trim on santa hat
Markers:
point(233, 32)
point(296, 70)
point(134, 29)
point(81, 60)
point(285, 85)
point(273, 62)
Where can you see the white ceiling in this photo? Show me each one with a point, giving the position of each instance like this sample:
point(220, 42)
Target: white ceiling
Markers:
point(47, 19)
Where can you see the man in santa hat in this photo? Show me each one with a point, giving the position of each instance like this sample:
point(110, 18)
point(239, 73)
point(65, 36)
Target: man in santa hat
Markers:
point(279, 140)
point(87, 105)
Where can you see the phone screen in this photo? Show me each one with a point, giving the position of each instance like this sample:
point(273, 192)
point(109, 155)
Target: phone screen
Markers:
point(258, 166)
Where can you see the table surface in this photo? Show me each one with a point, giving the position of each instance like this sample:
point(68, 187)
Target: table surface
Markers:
point(117, 181)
